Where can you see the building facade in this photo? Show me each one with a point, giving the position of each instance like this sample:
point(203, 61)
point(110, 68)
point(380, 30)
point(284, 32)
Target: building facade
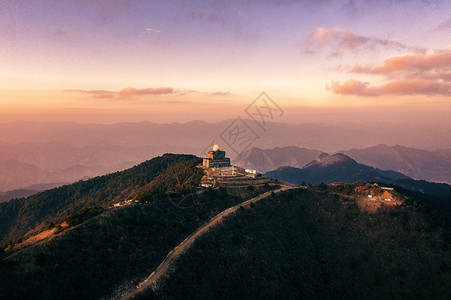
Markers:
point(216, 159)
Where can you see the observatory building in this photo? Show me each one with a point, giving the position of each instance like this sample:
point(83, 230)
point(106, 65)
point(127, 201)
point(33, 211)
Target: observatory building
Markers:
point(216, 159)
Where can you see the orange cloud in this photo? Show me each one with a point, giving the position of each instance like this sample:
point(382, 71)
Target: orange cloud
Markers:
point(221, 94)
point(124, 93)
point(422, 74)
point(409, 62)
point(338, 41)
point(129, 91)
point(349, 87)
point(440, 76)
point(398, 87)
point(103, 96)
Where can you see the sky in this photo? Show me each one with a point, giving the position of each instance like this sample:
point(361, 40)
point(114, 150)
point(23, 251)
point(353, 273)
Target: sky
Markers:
point(164, 61)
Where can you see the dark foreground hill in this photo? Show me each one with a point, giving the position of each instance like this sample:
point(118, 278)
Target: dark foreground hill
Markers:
point(92, 249)
point(317, 244)
point(320, 242)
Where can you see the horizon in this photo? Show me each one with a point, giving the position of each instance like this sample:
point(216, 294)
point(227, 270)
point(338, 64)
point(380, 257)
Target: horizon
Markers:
point(195, 135)
point(297, 115)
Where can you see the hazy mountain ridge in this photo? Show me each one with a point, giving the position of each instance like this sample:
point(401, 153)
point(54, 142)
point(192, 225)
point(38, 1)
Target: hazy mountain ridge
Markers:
point(6, 196)
point(330, 138)
point(17, 175)
point(29, 190)
point(418, 164)
point(25, 164)
point(328, 169)
point(102, 148)
point(264, 160)
point(415, 163)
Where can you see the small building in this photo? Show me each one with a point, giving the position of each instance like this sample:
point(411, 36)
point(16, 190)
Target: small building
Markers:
point(216, 159)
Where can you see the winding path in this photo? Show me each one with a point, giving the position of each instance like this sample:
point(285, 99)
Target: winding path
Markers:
point(183, 246)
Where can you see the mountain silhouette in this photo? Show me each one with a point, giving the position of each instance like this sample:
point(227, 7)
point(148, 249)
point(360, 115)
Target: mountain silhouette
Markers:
point(333, 168)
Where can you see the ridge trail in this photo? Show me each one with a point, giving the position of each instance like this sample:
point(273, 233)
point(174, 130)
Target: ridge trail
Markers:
point(173, 255)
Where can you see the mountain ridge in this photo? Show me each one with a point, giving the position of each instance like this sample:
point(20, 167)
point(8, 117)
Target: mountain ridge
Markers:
point(341, 168)
point(418, 164)
point(328, 169)
point(18, 216)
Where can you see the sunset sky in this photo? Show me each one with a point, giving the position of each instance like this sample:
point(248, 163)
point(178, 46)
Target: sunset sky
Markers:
point(163, 61)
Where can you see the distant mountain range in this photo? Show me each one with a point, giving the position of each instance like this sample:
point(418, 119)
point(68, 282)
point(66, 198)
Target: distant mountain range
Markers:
point(18, 175)
point(67, 152)
point(264, 160)
point(418, 164)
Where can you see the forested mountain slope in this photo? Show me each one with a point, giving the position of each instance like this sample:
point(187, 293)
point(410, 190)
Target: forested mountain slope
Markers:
point(315, 244)
point(18, 216)
point(99, 250)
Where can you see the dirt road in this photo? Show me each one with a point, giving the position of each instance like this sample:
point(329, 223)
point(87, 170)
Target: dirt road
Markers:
point(183, 246)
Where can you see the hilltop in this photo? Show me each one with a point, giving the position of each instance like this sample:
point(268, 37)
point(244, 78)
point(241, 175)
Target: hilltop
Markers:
point(333, 168)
